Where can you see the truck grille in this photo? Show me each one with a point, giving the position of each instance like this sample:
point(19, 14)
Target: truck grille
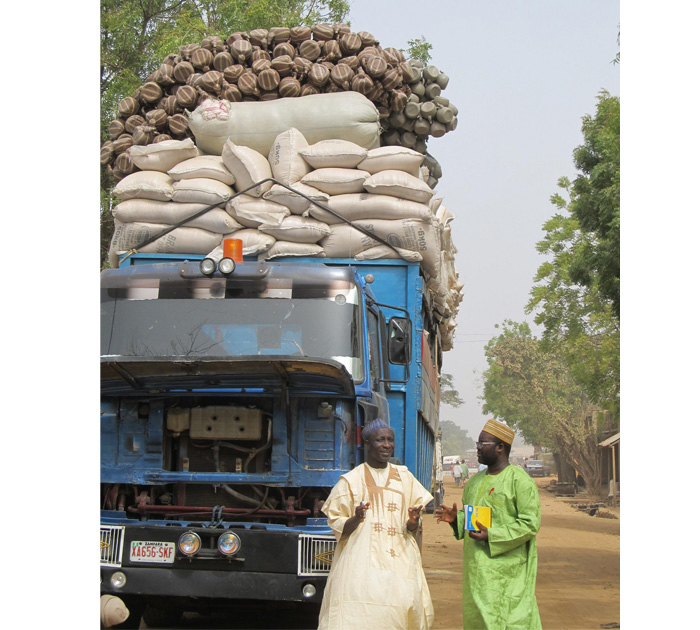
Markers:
point(111, 543)
point(315, 554)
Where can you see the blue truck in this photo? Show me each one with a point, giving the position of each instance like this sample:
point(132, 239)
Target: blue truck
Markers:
point(232, 399)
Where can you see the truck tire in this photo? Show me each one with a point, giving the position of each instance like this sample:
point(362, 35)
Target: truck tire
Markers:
point(156, 617)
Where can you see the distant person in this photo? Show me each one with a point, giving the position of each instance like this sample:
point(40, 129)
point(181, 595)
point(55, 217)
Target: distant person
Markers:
point(376, 579)
point(465, 471)
point(500, 562)
point(457, 473)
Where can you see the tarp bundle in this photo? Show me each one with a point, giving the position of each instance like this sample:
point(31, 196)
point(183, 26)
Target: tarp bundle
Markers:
point(279, 64)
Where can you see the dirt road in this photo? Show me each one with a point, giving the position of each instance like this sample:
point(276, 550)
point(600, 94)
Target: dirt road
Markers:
point(578, 578)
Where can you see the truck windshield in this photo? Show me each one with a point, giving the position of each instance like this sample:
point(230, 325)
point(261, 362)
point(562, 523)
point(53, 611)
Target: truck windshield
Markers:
point(175, 317)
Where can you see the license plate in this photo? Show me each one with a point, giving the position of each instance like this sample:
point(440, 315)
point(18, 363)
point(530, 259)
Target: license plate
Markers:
point(147, 551)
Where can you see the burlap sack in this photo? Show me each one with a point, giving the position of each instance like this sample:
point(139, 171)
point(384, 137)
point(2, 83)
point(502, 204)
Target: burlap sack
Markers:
point(296, 203)
point(391, 158)
point(334, 153)
point(399, 184)
point(286, 164)
point(164, 155)
point(290, 248)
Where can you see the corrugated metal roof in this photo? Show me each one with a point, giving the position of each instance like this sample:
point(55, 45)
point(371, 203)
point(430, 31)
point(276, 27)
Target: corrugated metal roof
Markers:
point(612, 440)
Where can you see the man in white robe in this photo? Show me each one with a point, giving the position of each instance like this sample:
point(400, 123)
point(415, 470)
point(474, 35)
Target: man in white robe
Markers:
point(376, 580)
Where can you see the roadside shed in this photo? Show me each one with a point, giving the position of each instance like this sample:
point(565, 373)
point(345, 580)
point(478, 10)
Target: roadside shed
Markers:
point(610, 465)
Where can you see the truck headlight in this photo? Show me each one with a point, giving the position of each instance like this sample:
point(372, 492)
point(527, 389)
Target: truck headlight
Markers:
point(189, 543)
point(308, 590)
point(118, 579)
point(229, 543)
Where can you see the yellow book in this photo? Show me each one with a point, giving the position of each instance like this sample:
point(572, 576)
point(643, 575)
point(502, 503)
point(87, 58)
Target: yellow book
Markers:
point(474, 513)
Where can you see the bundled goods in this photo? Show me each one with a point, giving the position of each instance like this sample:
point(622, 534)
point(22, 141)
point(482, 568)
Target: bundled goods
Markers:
point(213, 90)
point(354, 203)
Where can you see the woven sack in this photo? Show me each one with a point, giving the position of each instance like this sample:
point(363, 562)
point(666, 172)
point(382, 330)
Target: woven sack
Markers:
point(201, 190)
point(334, 153)
point(116, 129)
point(391, 158)
point(299, 34)
point(399, 184)
point(178, 124)
point(215, 220)
point(202, 59)
point(151, 93)
point(128, 106)
point(336, 181)
point(310, 50)
point(295, 202)
point(323, 32)
point(164, 155)
point(251, 212)
point(122, 143)
point(289, 87)
point(288, 248)
point(356, 206)
point(297, 229)
point(287, 166)
point(248, 167)
point(132, 122)
point(207, 166)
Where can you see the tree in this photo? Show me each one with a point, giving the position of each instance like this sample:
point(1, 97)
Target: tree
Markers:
point(595, 201)
point(528, 384)
point(448, 394)
point(418, 49)
point(455, 440)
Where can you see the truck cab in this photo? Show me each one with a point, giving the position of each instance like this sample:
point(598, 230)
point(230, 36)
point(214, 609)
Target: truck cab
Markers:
point(232, 401)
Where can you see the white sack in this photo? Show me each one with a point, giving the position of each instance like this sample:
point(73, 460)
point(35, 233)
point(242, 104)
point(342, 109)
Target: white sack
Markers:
point(287, 165)
point(162, 156)
point(392, 158)
point(296, 203)
point(290, 248)
point(209, 166)
point(344, 115)
point(248, 167)
point(250, 211)
point(334, 153)
point(145, 185)
point(202, 190)
point(171, 213)
point(336, 181)
point(367, 206)
point(399, 184)
point(298, 230)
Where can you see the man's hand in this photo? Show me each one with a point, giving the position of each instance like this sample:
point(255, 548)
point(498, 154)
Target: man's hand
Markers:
point(413, 517)
point(446, 514)
point(354, 521)
point(482, 534)
point(361, 509)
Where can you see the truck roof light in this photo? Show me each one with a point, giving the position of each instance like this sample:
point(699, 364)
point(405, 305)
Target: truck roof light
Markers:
point(207, 266)
point(233, 248)
point(227, 265)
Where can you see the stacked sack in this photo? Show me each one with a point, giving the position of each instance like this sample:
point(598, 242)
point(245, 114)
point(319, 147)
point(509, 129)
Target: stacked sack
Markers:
point(283, 63)
point(381, 191)
point(175, 182)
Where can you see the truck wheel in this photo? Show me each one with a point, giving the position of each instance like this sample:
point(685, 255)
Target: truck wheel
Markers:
point(161, 617)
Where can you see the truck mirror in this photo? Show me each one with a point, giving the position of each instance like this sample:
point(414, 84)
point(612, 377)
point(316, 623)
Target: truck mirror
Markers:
point(400, 340)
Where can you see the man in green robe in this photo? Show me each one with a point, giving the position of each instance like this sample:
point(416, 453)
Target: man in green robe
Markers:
point(500, 561)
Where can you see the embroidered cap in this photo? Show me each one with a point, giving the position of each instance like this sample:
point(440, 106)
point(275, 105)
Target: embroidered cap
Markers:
point(373, 426)
point(500, 430)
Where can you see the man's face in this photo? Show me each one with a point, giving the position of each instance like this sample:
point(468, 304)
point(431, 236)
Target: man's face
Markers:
point(488, 453)
point(380, 445)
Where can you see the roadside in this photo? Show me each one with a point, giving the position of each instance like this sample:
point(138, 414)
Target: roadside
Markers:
point(578, 578)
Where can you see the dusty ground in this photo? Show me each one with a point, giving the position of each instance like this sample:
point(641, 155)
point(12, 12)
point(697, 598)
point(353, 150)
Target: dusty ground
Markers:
point(578, 578)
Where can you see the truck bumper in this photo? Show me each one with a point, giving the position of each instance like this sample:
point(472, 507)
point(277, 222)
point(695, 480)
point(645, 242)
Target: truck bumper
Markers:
point(233, 585)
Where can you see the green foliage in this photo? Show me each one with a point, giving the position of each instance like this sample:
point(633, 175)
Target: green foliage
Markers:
point(418, 49)
point(455, 441)
point(595, 201)
point(136, 35)
point(448, 394)
point(529, 384)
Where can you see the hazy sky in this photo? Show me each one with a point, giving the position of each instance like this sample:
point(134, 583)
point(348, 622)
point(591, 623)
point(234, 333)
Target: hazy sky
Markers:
point(522, 74)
